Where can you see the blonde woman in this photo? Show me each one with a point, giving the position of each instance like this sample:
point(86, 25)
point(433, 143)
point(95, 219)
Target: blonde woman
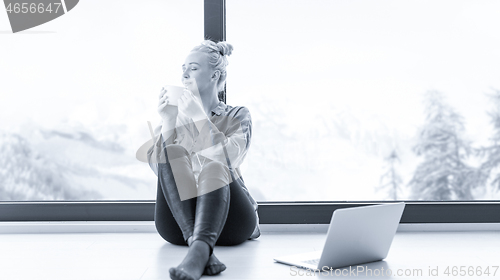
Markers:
point(202, 200)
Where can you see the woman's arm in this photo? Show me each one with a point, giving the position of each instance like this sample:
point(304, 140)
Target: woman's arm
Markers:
point(229, 146)
point(182, 132)
point(175, 128)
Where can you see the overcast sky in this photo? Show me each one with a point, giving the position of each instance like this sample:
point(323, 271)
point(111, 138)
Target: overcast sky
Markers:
point(374, 56)
point(377, 57)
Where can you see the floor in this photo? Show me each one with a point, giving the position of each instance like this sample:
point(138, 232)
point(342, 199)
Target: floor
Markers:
point(146, 256)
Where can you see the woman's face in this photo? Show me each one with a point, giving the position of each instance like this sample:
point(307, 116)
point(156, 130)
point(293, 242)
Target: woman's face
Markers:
point(196, 68)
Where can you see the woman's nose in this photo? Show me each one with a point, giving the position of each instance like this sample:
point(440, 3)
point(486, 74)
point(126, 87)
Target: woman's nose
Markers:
point(185, 74)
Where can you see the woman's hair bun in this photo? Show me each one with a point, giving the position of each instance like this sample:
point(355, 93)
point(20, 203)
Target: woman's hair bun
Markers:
point(217, 59)
point(225, 48)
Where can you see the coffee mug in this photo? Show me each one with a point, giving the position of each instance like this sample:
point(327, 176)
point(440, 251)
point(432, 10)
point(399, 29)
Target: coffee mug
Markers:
point(173, 93)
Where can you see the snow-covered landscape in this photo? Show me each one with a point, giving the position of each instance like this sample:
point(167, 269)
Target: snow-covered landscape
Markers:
point(335, 118)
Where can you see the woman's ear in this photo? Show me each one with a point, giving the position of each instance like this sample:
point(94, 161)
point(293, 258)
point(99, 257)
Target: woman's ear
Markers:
point(216, 75)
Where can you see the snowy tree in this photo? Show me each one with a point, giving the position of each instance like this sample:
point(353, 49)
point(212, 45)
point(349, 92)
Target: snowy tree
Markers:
point(26, 174)
point(444, 173)
point(492, 152)
point(391, 181)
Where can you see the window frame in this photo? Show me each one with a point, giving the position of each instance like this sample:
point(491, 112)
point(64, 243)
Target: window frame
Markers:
point(297, 212)
point(277, 212)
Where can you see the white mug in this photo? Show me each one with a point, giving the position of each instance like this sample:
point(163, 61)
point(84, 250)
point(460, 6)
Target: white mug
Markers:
point(173, 93)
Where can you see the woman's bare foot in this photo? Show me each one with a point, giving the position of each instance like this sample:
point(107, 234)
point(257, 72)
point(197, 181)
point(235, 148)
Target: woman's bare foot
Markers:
point(193, 265)
point(214, 266)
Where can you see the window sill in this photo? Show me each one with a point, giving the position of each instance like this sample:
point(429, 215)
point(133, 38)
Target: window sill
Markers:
point(149, 226)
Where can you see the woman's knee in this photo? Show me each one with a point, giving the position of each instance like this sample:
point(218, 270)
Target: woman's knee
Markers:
point(215, 169)
point(176, 151)
point(214, 175)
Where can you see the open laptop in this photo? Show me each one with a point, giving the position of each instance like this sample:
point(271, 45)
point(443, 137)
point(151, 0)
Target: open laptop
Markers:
point(356, 235)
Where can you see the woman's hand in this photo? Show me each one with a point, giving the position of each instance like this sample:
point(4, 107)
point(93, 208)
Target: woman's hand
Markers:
point(166, 110)
point(191, 106)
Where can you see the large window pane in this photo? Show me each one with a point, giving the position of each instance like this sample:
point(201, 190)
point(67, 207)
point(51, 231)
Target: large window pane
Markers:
point(368, 100)
point(76, 94)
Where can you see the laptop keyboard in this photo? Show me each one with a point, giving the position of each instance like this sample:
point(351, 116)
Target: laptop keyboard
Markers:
point(314, 261)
